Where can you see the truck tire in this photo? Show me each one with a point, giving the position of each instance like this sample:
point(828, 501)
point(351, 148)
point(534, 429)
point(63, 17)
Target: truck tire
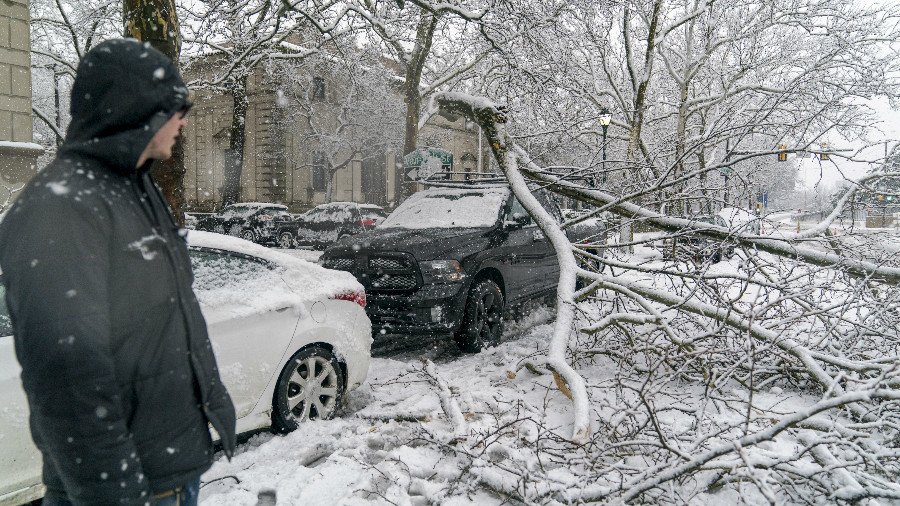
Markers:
point(483, 319)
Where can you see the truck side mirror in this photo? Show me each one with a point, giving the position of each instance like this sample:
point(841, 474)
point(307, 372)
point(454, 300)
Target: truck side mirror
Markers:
point(516, 221)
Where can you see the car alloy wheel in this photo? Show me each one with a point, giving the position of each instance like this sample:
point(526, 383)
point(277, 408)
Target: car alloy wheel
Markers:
point(483, 322)
point(310, 387)
point(248, 235)
point(286, 240)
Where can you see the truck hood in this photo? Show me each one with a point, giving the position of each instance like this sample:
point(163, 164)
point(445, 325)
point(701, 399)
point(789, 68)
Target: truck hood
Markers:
point(423, 244)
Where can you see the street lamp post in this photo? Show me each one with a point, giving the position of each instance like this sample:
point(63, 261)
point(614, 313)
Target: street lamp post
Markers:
point(605, 120)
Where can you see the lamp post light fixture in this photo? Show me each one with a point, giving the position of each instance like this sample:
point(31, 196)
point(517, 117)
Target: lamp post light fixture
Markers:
point(605, 120)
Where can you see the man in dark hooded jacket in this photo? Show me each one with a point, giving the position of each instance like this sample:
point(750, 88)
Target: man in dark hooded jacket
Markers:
point(116, 362)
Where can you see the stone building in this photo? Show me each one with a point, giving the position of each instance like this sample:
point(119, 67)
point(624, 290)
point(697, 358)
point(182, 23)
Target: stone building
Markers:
point(284, 163)
point(18, 154)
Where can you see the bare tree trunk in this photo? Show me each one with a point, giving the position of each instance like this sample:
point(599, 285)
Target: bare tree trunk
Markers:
point(329, 188)
point(234, 158)
point(640, 81)
point(424, 36)
point(156, 22)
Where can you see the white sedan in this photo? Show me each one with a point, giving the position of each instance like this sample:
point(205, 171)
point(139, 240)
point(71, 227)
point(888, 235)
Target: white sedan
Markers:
point(290, 337)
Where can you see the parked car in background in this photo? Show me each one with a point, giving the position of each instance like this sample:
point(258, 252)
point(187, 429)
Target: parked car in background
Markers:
point(251, 221)
point(291, 338)
point(326, 223)
point(691, 246)
point(451, 261)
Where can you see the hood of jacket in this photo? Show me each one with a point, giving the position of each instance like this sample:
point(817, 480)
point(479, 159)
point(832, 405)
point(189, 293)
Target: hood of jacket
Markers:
point(124, 92)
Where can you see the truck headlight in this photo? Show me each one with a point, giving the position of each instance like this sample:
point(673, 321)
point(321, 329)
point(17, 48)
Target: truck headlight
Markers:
point(441, 271)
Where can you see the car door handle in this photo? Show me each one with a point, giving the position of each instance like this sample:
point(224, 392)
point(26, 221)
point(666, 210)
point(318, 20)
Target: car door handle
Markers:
point(282, 309)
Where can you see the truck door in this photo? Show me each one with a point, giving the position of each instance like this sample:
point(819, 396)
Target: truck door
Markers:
point(526, 251)
point(546, 261)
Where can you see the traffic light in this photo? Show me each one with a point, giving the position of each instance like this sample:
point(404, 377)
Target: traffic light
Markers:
point(889, 198)
point(823, 155)
point(880, 197)
point(782, 152)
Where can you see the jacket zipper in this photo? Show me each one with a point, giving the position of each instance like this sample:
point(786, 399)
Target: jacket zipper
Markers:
point(144, 187)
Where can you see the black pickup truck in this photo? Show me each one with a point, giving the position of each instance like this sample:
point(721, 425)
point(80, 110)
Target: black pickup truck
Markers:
point(450, 261)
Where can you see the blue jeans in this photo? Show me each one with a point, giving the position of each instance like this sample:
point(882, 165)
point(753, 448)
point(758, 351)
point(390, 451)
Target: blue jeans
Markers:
point(186, 495)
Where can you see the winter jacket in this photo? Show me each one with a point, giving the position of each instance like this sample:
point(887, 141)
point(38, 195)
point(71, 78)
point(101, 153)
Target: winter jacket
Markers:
point(116, 361)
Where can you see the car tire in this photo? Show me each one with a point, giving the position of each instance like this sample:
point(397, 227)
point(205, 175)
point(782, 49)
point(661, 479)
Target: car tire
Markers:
point(286, 240)
point(310, 387)
point(248, 235)
point(483, 319)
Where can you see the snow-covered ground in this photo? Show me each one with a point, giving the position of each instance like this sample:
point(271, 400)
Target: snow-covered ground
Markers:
point(435, 426)
point(386, 445)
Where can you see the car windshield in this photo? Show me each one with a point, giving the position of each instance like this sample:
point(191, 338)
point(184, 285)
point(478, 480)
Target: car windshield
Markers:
point(449, 208)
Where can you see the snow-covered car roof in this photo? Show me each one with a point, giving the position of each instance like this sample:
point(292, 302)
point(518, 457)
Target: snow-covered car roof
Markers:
point(449, 208)
point(312, 281)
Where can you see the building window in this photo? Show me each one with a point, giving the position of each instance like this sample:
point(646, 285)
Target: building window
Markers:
point(319, 172)
point(318, 88)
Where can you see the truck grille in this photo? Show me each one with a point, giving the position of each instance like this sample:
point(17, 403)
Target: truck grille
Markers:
point(376, 263)
point(383, 272)
point(341, 264)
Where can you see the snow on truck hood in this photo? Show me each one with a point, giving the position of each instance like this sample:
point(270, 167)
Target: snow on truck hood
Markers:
point(307, 281)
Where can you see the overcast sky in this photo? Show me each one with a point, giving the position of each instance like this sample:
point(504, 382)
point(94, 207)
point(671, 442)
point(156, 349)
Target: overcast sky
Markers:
point(828, 173)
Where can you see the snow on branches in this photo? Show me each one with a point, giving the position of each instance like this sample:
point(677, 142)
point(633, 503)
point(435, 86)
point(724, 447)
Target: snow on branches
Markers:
point(770, 377)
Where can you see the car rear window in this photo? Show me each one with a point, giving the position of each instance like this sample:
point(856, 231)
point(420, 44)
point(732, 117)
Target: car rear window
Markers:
point(330, 212)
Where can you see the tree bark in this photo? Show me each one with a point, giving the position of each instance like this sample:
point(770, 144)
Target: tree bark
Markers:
point(156, 22)
point(413, 97)
point(234, 158)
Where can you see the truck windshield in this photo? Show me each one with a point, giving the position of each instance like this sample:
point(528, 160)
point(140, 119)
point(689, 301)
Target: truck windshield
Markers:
point(449, 208)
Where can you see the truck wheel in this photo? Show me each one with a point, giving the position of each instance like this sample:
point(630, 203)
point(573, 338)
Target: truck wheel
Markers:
point(483, 319)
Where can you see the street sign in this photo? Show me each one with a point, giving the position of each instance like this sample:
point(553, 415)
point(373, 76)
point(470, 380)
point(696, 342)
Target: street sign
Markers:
point(424, 162)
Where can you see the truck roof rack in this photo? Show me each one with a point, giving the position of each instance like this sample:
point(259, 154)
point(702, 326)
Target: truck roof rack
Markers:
point(445, 179)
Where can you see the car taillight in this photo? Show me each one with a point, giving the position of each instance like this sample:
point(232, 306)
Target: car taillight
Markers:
point(357, 297)
point(367, 222)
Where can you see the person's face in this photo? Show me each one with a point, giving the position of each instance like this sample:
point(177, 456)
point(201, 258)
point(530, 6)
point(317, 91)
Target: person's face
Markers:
point(160, 146)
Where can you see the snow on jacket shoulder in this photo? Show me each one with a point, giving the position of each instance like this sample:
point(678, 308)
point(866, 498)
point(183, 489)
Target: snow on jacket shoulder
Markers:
point(116, 361)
